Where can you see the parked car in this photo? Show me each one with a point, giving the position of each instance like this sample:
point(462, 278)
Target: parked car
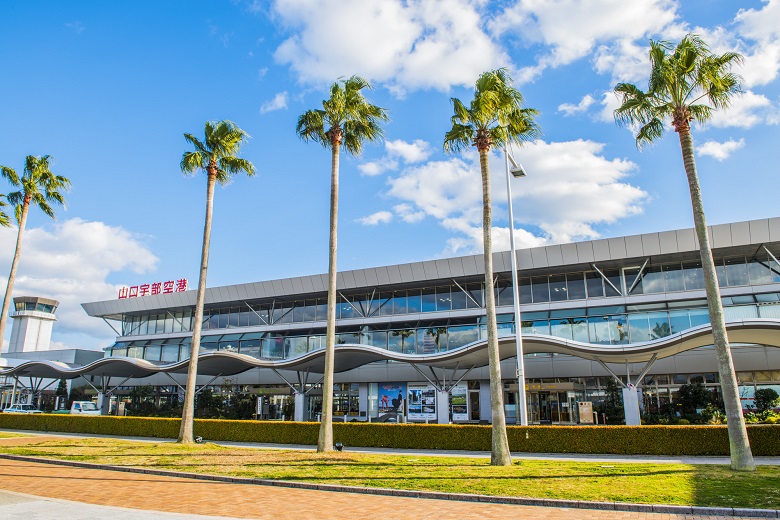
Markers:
point(84, 408)
point(22, 408)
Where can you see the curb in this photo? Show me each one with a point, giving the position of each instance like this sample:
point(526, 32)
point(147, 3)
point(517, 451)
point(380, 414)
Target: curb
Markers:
point(434, 495)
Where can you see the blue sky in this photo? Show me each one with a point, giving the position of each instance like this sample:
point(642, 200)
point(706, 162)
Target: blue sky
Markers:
point(108, 89)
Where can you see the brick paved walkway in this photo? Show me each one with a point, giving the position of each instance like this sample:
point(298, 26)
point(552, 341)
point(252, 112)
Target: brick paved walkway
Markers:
point(181, 495)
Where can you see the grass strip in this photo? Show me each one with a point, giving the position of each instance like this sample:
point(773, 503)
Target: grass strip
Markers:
point(680, 484)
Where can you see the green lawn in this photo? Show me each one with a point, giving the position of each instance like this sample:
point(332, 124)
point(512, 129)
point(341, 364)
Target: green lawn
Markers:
point(701, 485)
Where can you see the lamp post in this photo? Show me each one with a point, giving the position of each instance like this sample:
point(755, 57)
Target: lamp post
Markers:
point(516, 171)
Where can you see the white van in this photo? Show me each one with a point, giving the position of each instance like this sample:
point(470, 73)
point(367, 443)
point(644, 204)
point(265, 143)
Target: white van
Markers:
point(84, 408)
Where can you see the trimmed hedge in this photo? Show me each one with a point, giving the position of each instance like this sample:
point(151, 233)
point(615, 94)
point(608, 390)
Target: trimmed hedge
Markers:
point(619, 440)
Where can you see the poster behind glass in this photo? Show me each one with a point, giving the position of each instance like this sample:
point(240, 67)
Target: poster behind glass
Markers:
point(421, 402)
point(391, 397)
point(460, 409)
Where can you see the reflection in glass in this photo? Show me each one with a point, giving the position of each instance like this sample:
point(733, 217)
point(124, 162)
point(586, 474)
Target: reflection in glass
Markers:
point(525, 290)
point(558, 288)
point(759, 273)
point(428, 300)
point(575, 286)
point(443, 299)
point(413, 303)
point(736, 271)
point(462, 335)
point(613, 275)
point(459, 299)
point(594, 284)
point(673, 278)
point(250, 347)
point(296, 346)
point(540, 289)
point(693, 275)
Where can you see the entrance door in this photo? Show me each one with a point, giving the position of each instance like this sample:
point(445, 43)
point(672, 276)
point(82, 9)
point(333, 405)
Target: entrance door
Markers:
point(474, 405)
point(544, 407)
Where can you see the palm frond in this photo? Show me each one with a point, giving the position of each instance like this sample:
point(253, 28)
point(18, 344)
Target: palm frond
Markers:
point(222, 142)
point(236, 165)
point(700, 113)
point(458, 138)
point(311, 127)
point(10, 175)
point(15, 198)
point(5, 221)
point(192, 162)
point(649, 132)
point(495, 111)
point(38, 199)
point(680, 77)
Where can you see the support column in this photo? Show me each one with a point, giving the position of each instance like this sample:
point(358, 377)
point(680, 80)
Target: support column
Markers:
point(442, 407)
point(103, 402)
point(631, 406)
point(300, 407)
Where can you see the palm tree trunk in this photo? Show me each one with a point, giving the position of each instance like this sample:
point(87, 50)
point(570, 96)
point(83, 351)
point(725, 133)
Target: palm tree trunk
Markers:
point(499, 450)
point(188, 410)
point(739, 444)
point(14, 265)
point(325, 439)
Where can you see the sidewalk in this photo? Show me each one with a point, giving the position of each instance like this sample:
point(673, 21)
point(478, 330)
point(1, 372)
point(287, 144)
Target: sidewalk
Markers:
point(145, 493)
point(576, 457)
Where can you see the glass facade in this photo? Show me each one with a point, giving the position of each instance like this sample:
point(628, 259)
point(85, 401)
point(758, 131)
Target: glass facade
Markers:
point(662, 278)
point(606, 325)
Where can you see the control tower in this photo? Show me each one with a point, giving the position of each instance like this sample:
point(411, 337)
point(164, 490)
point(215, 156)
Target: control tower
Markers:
point(33, 320)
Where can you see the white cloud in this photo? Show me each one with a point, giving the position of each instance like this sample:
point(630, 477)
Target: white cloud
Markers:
point(374, 168)
point(406, 44)
point(571, 29)
point(380, 217)
point(609, 103)
point(279, 102)
point(571, 187)
point(624, 60)
point(409, 153)
point(747, 110)
point(71, 263)
point(762, 61)
point(720, 151)
point(414, 152)
point(408, 213)
point(568, 109)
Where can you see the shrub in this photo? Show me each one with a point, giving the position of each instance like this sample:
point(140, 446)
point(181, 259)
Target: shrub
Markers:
point(765, 399)
point(620, 440)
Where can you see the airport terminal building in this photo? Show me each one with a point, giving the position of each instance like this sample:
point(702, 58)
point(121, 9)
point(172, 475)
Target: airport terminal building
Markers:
point(631, 309)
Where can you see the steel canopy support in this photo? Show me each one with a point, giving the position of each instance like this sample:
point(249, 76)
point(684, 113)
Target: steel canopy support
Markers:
point(648, 366)
point(607, 279)
point(203, 387)
point(435, 385)
point(174, 381)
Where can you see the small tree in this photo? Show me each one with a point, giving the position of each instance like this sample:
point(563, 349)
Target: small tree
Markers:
point(766, 399)
point(693, 396)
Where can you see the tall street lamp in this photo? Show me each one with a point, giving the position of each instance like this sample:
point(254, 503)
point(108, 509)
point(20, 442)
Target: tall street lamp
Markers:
point(516, 171)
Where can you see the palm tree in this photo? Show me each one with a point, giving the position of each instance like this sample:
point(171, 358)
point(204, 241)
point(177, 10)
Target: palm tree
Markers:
point(688, 83)
point(348, 119)
point(494, 118)
point(38, 186)
point(217, 156)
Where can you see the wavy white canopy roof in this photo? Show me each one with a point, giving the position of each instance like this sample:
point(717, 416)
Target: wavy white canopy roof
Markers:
point(755, 331)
